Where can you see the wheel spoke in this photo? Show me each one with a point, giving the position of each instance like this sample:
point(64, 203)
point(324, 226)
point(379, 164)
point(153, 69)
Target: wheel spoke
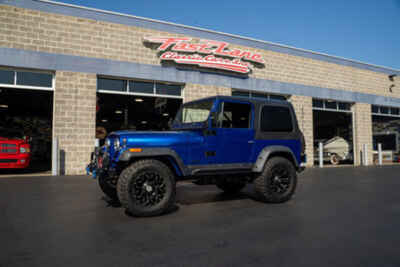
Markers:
point(149, 188)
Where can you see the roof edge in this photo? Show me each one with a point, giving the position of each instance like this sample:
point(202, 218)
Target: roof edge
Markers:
point(241, 40)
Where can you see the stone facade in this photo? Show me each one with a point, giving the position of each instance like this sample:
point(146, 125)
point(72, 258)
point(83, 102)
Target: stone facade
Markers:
point(303, 108)
point(75, 93)
point(197, 91)
point(74, 119)
point(362, 132)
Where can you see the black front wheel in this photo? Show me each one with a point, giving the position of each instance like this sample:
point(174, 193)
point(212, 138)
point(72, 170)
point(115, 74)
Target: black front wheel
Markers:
point(277, 182)
point(146, 188)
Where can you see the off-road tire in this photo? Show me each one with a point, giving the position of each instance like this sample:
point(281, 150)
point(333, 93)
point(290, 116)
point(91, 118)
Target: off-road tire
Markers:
point(130, 179)
point(266, 186)
point(230, 186)
point(108, 188)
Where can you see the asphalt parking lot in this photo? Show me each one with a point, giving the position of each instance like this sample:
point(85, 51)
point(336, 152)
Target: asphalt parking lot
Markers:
point(338, 217)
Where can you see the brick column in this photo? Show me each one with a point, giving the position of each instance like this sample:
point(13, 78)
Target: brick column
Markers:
point(303, 108)
point(74, 119)
point(362, 131)
point(196, 91)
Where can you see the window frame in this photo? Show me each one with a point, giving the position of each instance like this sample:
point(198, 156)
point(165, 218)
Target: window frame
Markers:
point(389, 114)
point(337, 109)
point(128, 92)
point(15, 85)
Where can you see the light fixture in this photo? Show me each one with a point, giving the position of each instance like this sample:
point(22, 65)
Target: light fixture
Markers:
point(138, 100)
point(144, 122)
point(165, 114)
point(118, 112)
point(103, 120)
point(3, 106)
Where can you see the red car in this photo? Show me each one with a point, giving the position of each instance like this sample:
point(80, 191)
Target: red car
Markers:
point(15, 152)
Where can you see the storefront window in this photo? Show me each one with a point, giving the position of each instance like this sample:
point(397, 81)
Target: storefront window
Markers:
point(6, 76)
point(395, 111)
point(34, 79)
point(240, 93)
point(317, 103)
point(168, 89)
point(261, 96)
point(344, 106)
point(258, 95)
point(384, 110)
point(331, 104)
point(141, 87)
point(375, 109)
point(277, 97)
point(111, 84)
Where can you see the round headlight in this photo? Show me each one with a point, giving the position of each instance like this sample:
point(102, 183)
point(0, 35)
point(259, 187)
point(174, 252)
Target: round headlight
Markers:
point(107, 142)
point(116, 144)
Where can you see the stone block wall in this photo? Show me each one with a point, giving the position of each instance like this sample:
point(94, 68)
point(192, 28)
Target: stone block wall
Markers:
point(195, 91)
point(74, 119)
point(303, 108)
point(362, 132)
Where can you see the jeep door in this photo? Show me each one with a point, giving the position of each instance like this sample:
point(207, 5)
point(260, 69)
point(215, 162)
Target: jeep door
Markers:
point(234, 132)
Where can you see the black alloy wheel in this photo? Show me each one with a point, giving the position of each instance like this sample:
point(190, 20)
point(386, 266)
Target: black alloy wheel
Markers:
point(277, 182)
point(147, 188)
point(280, 181)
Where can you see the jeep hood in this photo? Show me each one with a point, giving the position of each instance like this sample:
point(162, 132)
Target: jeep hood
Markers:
point(159, 138)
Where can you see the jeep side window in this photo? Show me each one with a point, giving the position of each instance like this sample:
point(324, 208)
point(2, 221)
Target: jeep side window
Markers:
point(234, 115)
point(276, 119)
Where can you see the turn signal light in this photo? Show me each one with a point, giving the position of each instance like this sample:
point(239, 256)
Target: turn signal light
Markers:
point(135, 150)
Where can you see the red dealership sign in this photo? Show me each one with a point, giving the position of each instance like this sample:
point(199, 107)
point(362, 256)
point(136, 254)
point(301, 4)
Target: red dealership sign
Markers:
point(206, 54)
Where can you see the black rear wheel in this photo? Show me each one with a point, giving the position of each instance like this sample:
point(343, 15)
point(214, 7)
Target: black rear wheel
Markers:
point(146, 188)
point(277, 182)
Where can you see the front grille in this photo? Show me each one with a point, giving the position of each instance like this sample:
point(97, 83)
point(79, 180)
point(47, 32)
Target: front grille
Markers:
point(8, 148)
point(8, 160)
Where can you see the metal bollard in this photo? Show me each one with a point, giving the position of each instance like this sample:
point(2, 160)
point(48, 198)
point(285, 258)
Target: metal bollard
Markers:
point(380, 154)
point(55, 167)
point(321, 155)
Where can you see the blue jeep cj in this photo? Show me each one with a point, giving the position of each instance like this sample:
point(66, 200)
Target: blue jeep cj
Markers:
point(229, 141)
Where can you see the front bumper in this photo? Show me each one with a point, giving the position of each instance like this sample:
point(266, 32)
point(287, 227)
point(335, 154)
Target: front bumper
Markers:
point(19, 161)
point(99, 163)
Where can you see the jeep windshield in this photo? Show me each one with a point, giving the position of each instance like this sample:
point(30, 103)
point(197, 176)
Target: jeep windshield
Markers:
point(193, 115)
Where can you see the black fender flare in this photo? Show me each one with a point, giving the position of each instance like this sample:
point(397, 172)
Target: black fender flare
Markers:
point(267, 151)
point(126, 156)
